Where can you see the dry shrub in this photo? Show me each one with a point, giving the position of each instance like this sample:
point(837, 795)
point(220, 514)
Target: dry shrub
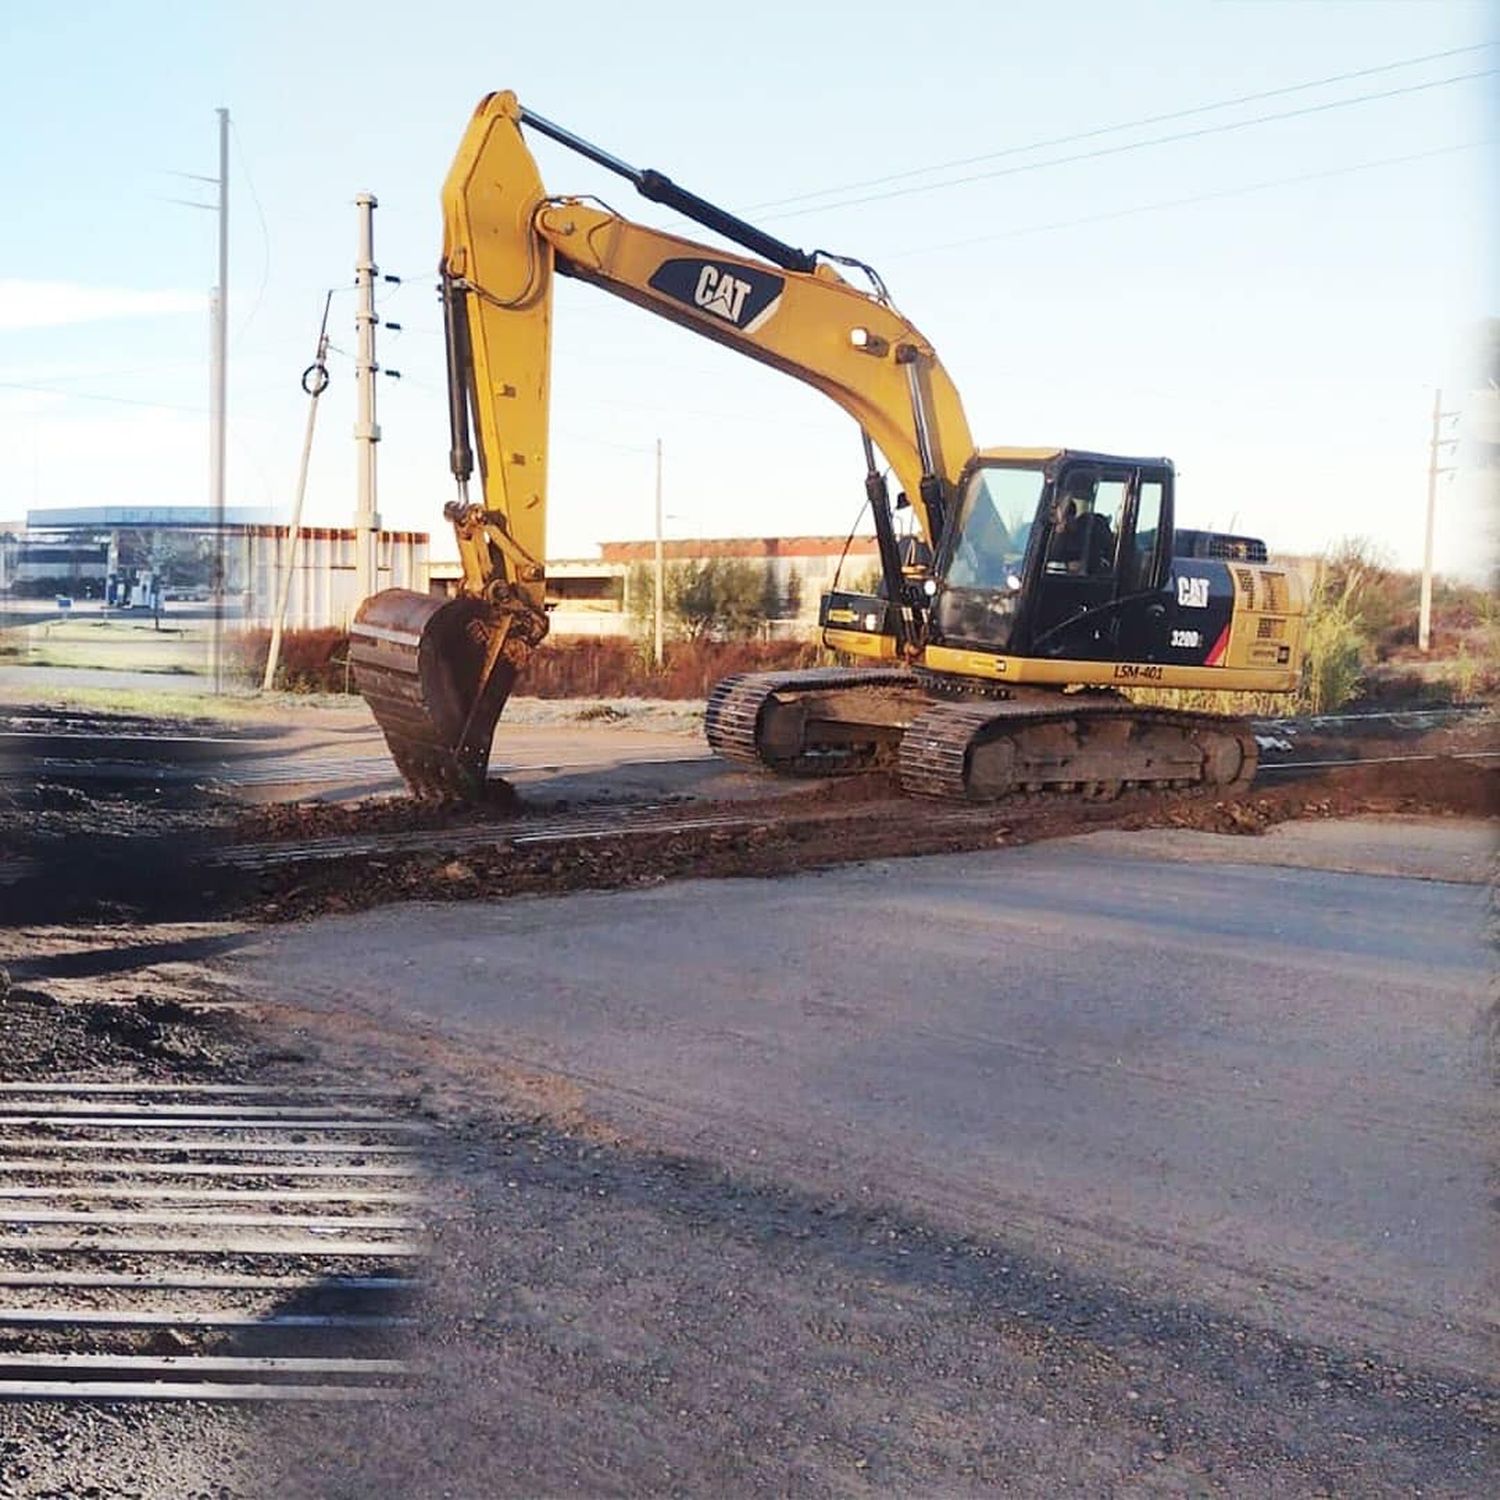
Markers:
point(314, 661)
point(617, 667)
point(311, 661)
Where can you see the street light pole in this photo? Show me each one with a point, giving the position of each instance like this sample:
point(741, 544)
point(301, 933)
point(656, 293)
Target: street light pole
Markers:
point(314, 382)
point(1424, 617)
point(217, 401)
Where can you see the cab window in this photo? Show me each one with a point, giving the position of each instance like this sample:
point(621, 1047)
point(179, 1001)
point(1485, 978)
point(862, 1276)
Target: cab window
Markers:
point(993, 528)
point(1086, 518)
point(1139, 565)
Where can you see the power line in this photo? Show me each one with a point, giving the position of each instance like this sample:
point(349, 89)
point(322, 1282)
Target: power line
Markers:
point(1141, 123)
point(166, 364)
point(1160, 140)
point(265, 233)
point(49, 390)
point(1234, 192)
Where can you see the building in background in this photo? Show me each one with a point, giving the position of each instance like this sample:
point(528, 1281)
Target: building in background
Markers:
point(137, 555)
point(325, 583)
point(126, 554)
point(130, 553)
point(588, 596)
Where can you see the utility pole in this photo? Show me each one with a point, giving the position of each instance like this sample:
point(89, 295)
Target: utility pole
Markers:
point(217, 401)
point(366, 432)
point(1435, 446)
point(661, 571)
point(314, 382)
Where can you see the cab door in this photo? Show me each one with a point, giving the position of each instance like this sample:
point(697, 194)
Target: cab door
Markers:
point(1145, 608)
point(1074, 615)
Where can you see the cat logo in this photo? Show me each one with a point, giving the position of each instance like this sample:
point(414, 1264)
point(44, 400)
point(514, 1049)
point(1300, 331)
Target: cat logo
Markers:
point(719, 292)
point(1192, 593)
point(743, 296)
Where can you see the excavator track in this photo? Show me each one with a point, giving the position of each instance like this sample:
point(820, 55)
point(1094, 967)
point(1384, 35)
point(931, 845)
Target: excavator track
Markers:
point(773, 718)
point(982, 750)
point(836, 720)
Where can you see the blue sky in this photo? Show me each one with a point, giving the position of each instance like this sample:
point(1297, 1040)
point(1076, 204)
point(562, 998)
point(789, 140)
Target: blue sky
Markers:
point(1281, 342)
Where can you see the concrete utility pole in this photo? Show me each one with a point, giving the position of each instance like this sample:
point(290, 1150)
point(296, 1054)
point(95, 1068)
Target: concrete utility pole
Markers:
point(1436, 444)
point(661, 570)
point(366, 432)
point(217, 401)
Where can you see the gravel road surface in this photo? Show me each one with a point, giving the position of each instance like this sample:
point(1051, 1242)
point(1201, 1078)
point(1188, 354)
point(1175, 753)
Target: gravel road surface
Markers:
point(1088, 1165)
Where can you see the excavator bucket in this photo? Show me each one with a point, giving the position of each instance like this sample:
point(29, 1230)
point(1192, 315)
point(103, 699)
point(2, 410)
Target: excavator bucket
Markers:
point(434, 677)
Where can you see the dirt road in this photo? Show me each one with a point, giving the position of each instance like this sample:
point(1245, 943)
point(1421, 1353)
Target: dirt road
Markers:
point(1149, 1161)
point(1065, 1167)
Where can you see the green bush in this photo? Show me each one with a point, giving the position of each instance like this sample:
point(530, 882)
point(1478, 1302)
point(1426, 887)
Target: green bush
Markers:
point(1333, 641)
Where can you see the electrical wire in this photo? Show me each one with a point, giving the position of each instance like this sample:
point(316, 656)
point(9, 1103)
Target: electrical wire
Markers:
point(1107, 151)
point(151, 369)
point(1136, 124)
point(48, 390)
point(1234, 192)
point(265, 233)
point(599, 442)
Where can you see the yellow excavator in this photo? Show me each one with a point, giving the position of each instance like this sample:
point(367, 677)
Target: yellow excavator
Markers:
point(1034, 585)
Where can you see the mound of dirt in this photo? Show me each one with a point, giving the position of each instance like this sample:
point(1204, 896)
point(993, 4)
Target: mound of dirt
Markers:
point(294, 821)
point(46, 1038)
point(856, 820)
point(1444, 785)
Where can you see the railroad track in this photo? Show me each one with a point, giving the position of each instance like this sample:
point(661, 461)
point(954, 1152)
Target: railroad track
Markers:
point(190, 1242)
point(198, 758)
point(94, 749)
point(519, 835)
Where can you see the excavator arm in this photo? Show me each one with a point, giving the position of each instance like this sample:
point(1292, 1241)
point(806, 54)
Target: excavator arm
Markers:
point(437, 672)
point(504, 236)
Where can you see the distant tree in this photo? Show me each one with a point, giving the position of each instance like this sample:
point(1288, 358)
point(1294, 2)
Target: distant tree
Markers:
point(1483, 407)
point(770, 593)
point(793, 592)
point(718, 598)
point(1333, 636)
point(640, 597)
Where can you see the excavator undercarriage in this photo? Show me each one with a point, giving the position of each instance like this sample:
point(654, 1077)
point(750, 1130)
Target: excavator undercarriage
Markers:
point(966, 746)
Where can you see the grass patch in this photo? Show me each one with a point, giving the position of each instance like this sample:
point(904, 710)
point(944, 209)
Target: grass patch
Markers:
point(171, 703)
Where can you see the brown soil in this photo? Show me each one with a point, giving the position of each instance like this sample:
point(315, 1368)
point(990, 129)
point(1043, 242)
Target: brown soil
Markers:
point(149, 1038)
point(844, 821)
point(279, 821)
point(137, 853)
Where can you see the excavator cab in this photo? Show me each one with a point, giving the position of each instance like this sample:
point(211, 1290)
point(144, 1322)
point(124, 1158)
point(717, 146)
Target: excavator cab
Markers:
point(1060, 559)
